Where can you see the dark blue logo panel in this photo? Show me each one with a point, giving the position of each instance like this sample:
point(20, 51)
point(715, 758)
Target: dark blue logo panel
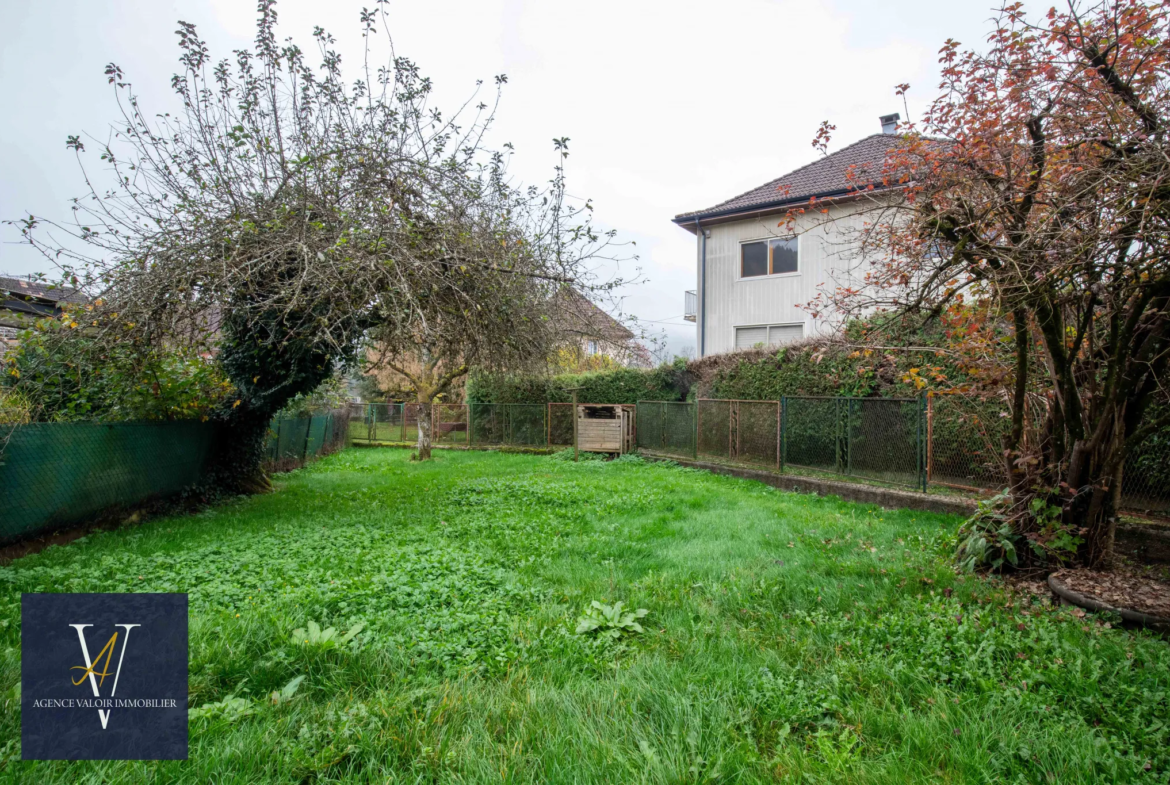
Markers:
point(103, 676)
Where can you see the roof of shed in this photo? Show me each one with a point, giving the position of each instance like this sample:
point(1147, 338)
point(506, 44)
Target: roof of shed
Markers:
point(39, 290)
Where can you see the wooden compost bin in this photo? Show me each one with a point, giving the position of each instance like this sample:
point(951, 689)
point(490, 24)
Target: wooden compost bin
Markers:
point(605, 428)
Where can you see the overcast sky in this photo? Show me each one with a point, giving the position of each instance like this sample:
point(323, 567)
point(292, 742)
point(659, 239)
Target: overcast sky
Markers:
point(669, 106)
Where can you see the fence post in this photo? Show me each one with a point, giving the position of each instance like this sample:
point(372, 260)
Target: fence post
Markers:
point(921, 446)
point(402, 421)
point(737, 430)
point(929, 435)
point(695, 430)
point(777, 436)
point(576, 450)
point(662, 420)
point(783, 432)
point(547, 424)
point(848, 436)
point(837, 434)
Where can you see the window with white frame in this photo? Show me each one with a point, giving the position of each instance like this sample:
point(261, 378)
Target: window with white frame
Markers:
point(591, 347)
point(761, 258)
point(767, 335)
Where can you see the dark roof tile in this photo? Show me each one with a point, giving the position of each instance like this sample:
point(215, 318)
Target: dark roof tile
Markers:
point(40, 290)
point(828, 175)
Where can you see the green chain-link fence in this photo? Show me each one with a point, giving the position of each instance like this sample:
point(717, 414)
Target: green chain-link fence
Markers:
point(879, 438)
point(965, 445)
point(967, 434)
point(665, 426)
point(560, 425)
point(943, 440)
point(463, 425)
point(508, 424)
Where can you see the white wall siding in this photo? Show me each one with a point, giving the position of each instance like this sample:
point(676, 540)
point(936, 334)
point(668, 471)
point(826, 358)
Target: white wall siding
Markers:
point(827, 256)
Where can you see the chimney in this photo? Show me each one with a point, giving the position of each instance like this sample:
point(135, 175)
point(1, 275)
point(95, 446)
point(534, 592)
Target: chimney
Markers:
point(889, 122)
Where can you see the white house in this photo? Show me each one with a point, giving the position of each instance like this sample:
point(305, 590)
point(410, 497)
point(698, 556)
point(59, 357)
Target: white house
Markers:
point(756, 266)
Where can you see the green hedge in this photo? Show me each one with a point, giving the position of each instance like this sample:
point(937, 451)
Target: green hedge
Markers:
point(906, 366)
point(670, 382)
point(817, 370)
point(903, 367)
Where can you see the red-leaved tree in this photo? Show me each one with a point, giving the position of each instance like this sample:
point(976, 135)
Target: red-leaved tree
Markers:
point(1038, 183)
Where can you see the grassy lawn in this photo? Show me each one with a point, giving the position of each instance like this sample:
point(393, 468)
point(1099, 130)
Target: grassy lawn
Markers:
point(789, 638)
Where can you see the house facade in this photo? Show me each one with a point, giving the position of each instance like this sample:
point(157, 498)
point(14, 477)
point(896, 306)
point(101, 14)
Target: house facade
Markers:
point(757, 263)
point(594, 334)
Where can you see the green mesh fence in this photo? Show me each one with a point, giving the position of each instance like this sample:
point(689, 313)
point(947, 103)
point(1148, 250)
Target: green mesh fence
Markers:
point(885, 439)
point(966, 444)
point(878, 438)
point(54, 475)
point(812, 434)
point(292, 441)
point(665, 426)
point(508, 424)
point(966, 441)
point(744, 431)
point(380, 422)
point(450, 424)
point(1145, 483)
point(57, 474)
point(464, 425)
point(714, 429)
point(560, 425)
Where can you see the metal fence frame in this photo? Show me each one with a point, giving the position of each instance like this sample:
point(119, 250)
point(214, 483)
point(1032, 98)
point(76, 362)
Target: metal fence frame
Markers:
point(936, 446)
point(769, 433)
point(936, 440)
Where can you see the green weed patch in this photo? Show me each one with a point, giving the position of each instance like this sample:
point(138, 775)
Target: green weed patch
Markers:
point(785, 638)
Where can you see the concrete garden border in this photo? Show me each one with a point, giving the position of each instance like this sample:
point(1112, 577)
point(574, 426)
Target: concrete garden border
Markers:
point(1071, 597)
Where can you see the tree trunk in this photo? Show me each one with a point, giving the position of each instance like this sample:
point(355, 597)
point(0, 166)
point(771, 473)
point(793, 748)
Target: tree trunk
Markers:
point(236, 464)
point(1100, 526)
point(1093, 508)
point(425, 426)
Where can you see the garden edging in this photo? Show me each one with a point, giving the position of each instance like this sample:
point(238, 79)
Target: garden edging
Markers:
point(1070, 597)
point(889, 498)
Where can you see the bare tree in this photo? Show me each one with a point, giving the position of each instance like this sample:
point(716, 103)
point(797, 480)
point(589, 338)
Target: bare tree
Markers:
point(285, 214)
point(517, 320)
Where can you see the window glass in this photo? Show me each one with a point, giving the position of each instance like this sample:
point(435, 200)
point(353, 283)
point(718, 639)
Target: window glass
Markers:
point(754, 259)
point(783, 256)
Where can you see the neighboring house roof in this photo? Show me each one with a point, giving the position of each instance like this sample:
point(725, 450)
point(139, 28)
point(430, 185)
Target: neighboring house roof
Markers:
point(35, 298)
point(582, 316)
point(837, 174)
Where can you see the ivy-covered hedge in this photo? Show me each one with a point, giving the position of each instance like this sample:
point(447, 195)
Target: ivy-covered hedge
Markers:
point(905, 364)
point(670, 382)
point(818, 370)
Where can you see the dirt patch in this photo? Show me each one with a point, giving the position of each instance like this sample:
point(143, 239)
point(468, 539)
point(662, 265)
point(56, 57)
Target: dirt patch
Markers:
point(1129, 589)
